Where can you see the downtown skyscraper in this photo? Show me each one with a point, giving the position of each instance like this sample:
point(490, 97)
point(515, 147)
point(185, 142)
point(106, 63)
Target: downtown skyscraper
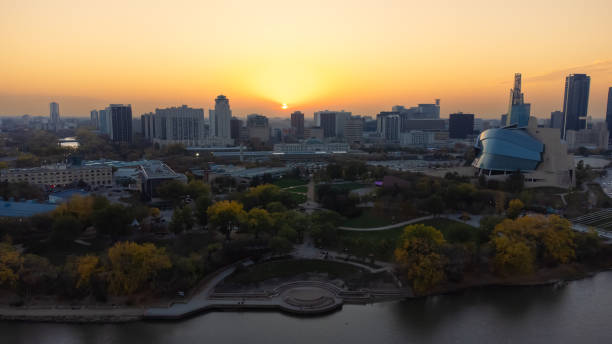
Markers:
point(54, 115)
point(609, 111)
point(120, 122)
point(220, 120)
point(575, 102)
point(518, 110)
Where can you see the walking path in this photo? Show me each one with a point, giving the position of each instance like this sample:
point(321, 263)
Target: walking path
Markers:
point(474, 221)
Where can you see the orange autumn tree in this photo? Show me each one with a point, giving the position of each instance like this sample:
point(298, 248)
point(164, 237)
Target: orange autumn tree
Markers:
point(419, 256)
point(518, 242)
point(132, 266)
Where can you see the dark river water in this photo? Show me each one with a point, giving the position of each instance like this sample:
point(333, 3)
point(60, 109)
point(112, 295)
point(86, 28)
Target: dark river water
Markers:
point(580, 312)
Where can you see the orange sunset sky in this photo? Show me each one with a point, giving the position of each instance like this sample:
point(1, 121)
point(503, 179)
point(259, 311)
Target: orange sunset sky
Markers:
point(361, 56)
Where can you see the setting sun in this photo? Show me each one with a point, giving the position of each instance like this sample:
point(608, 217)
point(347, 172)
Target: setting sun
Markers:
point(284, 106)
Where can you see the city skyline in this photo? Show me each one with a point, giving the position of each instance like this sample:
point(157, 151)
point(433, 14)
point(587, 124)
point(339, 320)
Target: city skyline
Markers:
point(266, 54)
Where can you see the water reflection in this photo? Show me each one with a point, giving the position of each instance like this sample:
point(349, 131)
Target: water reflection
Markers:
point(578, 312)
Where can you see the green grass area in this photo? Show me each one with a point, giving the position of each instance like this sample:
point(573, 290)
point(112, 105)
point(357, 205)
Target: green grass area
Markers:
point(300, 189)
point(381, 243)
point(368, 218)
point(289, 182)
point(298, 197)
point(352, 275)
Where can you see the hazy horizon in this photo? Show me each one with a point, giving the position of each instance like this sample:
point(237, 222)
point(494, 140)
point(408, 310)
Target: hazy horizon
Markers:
point(335, 55)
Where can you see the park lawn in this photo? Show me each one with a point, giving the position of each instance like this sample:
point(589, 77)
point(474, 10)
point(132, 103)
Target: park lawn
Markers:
point(350, 186)
point(300, 189)
point(368, 218)
point(443, 225)
point(289, 182)
point(298, 197)
point(448, 228)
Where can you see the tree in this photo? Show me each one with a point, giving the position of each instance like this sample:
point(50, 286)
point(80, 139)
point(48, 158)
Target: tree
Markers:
point(132, 266)
point(435, 205)
point(65, 228)
point(172, 190)
point(201, 206)
point(518, 243)
point(87, 266)
point(557, 238)
point(280, 245)
point(196, 189)
point(512, 255)
point(419, 257)
point(226, 215)
point(182, 219)
point(258, 221)
point(514, 208)
point(10, 264)
point(36, 273)
point(113, 220)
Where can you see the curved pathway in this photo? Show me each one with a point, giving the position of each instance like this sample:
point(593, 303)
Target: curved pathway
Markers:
point(474, 221)
point(382, 228)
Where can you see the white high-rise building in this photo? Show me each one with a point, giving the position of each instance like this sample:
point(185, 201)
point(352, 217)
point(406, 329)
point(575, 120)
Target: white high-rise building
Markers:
point(220, 119)
point(183, 125)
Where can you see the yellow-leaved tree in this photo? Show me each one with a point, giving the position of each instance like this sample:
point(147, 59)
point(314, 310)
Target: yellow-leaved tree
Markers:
point(518, 242)
point(558, 238)
point(10, 264)
point(226, 215)
point(87, 266)
point(133, 265)
point(419, 256)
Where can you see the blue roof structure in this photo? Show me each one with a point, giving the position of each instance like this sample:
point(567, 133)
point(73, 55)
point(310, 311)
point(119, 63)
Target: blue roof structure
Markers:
point(24, 209)
point(507, 149)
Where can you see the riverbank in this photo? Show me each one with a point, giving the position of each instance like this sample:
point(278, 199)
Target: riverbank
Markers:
point(549, 276)
point(207, 300)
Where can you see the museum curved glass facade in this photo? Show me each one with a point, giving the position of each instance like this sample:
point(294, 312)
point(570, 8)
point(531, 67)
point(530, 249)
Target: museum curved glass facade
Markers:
point(507, 149)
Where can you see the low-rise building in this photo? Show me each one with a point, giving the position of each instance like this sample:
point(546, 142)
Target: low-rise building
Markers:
point(311, 146)
point(59, 175)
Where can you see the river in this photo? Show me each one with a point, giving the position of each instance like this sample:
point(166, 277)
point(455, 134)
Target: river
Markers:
point(579, 312)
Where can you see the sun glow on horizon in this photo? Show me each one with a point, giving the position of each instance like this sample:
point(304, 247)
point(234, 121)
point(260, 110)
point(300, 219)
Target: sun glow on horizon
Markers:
point(284, 106)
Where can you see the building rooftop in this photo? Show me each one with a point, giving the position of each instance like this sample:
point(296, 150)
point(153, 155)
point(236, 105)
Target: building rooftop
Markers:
point(24, 209)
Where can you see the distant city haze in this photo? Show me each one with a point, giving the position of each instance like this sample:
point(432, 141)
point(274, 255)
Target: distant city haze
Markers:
point(361, 56)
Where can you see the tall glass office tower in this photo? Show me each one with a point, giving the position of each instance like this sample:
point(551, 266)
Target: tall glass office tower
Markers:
point(518, 111)
point(575, 102)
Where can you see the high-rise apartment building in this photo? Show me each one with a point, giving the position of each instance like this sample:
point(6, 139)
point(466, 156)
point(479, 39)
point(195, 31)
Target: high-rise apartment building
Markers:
point(332, 122)
point(182, 125)
point(609, 111)
point(220, 118)
point(297, 124)
point(575, 102)
point(353, 130)
point(390, 128)
point(121, 122)
point(93, 116)
point(54, 115)
point(147, 126)
point(460, 125)
point(235, 125)
point(518, 110)
point(258, 127)
point(104, 121)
